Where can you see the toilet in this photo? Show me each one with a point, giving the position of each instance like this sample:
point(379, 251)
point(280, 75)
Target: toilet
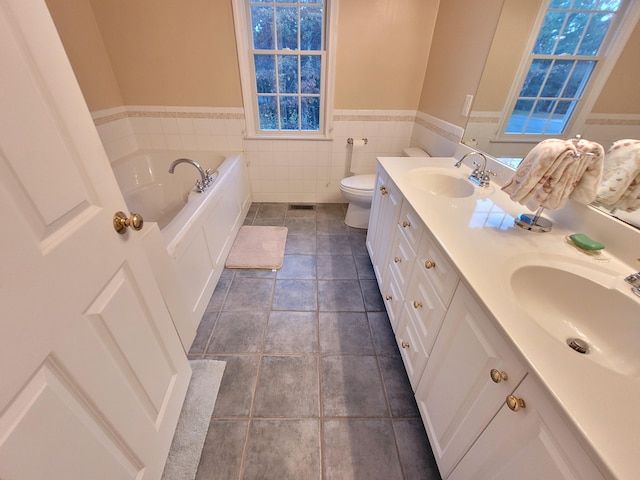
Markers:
point(358, 190)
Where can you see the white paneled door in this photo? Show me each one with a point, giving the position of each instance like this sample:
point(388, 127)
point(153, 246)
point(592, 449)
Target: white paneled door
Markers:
point(92, 372)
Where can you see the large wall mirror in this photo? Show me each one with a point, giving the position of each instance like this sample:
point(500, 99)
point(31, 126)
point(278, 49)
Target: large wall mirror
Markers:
point(613, 111)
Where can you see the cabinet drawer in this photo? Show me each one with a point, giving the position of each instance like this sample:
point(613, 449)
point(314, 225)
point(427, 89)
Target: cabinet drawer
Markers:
point(393, 300)
point(438, 269)
point(401, 259)
point(411, 226)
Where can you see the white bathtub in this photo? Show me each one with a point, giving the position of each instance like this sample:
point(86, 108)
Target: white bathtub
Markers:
point(198, 229)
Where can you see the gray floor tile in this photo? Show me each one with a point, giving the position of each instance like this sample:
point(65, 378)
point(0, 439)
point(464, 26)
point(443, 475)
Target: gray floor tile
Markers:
point(254, 273)
point(309, 214)
point(358, 244)
point(331, 227)
point(279, 378)
point(345, 333)
point(340, 296)
point(271, 210)
point(383, 337)
point(280, 449)
point(399, 393)
point(351, 387)
point(300, 226)
point(221, 457)
point(295, 295)
point(364, 267)
point(301, 245)
point(372, 298)
point(269, 222)
point(357, 449)
point(204, 332)
point(249, 294)
point(292, 332)
point(334, 245)
point(332, 267)
point(416, 457)
point(302, 267)
point(219, 294)
point(238, 332)
point(238, 385)
point(330, 211)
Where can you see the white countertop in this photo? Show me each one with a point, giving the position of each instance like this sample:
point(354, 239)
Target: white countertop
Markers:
point(478, 234)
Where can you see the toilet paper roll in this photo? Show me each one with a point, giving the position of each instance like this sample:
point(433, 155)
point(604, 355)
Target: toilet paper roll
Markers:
point(358, 164)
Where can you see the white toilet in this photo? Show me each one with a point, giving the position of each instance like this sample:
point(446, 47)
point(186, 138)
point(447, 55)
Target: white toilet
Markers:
point(358, 190)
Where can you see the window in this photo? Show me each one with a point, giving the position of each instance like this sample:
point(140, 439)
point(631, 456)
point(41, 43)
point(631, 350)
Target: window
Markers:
point(284, 65)
point(565, 57)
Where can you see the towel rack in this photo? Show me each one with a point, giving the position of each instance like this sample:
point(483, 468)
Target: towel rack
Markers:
point(575, 141)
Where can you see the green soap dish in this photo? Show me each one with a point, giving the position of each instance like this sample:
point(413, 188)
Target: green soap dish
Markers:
point(585, 243)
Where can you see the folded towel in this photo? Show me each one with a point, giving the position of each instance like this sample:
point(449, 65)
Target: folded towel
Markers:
point(555, 170)
point(620, 186)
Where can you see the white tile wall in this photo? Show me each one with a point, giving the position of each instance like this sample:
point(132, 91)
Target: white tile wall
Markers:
point(280, 170)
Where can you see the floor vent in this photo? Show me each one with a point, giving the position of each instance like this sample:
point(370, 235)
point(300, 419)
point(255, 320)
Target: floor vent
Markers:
point(295, 206)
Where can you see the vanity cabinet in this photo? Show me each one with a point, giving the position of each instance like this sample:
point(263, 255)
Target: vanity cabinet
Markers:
point(469, 374)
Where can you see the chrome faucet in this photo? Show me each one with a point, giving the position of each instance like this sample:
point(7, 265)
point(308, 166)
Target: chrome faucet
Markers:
point(634, 281)
point(480, 175)
point(205, 176)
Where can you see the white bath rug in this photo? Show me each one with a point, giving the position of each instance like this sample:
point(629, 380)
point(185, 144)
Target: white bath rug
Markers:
point(193, 423)
point(258, 247)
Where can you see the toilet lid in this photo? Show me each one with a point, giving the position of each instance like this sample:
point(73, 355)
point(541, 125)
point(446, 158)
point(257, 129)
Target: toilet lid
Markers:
point(360, 182)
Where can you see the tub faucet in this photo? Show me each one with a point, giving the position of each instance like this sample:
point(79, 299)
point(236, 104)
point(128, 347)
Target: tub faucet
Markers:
point(480, 175)
point(634, 281)
point(205, 176)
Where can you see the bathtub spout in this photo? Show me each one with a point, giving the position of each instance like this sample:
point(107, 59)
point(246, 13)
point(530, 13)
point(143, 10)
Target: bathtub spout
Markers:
point(205, 176)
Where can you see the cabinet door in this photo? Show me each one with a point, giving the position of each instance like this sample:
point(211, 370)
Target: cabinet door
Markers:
point(528, 444)
point(456, 395)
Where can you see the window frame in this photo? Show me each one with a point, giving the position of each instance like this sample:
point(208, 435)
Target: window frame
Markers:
point(615, 40)
point(244, 43)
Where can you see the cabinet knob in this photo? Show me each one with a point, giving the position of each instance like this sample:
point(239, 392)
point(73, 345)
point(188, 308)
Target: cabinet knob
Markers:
point(406, 224)
point(429, 264)
point(405, 344)
point(388, 297)
point(417, 304)
point(397, 259)
point(498, 376)
point(383, 190)
point(515, 403)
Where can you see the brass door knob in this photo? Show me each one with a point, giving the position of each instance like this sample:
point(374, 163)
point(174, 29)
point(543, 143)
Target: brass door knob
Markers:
point(429, 264)
point(406, 224)
point(397, 259)
point(405, 345)
point(383, 190)
point(417, 304)
point(388, 297)
point(121, 222)
point(498, 376)
point(515, 403)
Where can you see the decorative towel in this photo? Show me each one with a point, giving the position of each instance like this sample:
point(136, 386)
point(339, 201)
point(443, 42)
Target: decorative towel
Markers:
point(620, 187)
point(555, 170)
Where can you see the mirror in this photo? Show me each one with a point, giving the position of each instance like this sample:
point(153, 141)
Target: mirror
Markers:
point(619, 94)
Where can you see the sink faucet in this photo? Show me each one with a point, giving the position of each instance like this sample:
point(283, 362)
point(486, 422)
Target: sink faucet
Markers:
point(634, 281)
point(480, 175)
point(205, 176)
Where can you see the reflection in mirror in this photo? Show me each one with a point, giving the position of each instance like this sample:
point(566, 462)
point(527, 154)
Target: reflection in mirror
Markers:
point(613, 103)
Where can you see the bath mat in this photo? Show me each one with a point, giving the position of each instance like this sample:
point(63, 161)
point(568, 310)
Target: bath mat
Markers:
point(258, 247)
point(193, 423)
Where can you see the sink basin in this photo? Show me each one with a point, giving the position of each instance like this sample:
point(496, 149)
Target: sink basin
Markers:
point(583, 304)
point(440, 182)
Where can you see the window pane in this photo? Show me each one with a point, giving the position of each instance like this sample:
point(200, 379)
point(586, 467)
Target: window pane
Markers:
point(540, 117)
point(287, 27)
point(518, 120)
point(611, 5)
point(560, 118)
point(585, 4)
point(549, 32)
point(265, 73)
point(579, 79)
point(318, 2)
point(535, 78)
point(262, 27)
point(289, 113)
point(310, 116)
point(560, 4)
point(595, 34)
point(310, 66)
point(310, 28)
point(572, 33)
point(288, 73)
point(557, 78)
point(268, 112)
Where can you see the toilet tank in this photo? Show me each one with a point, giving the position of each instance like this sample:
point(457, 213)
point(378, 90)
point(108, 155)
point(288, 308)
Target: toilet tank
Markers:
point(414, 152)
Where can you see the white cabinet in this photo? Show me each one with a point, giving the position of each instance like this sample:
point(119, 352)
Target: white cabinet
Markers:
point(456, 395)
point(528, 444)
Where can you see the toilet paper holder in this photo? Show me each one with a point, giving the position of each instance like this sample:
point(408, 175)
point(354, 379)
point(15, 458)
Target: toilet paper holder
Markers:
point(350, 140)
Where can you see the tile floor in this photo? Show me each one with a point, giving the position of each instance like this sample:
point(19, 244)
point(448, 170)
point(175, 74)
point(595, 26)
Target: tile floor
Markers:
point(314, 386)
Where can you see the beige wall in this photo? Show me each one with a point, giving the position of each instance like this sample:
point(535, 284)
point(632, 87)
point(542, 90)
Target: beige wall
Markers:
point(83, 43)
point(461, 41)
point(383, 48)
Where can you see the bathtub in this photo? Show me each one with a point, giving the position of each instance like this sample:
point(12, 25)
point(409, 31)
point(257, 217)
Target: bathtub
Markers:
point(197, 229)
